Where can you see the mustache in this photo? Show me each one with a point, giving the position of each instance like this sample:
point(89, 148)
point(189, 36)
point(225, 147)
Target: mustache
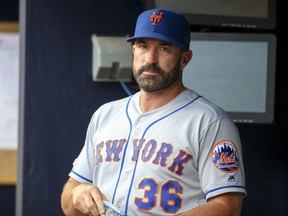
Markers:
point(150, 67)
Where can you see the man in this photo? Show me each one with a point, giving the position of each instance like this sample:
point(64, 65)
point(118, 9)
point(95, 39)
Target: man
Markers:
point(165, 150)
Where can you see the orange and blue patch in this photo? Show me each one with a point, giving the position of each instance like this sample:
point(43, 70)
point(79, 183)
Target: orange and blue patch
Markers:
point(225, 156)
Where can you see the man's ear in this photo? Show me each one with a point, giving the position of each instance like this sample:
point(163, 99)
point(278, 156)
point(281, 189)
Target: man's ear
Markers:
point(133, 49)
point(187, 56)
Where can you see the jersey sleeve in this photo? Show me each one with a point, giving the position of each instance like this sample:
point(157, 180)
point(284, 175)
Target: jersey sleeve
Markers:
point(221, 167)
point(83, 165)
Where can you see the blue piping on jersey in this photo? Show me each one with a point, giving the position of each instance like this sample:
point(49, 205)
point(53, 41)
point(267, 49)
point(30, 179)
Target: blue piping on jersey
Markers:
point(124, 154)
point(134, 171)
point(126, 89)
point(82, 177)
point(220, 188)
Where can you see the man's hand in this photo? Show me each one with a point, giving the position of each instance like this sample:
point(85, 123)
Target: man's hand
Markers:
point(82, 199)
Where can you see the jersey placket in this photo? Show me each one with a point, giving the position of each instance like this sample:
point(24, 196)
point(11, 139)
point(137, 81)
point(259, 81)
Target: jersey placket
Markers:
point(126, 177)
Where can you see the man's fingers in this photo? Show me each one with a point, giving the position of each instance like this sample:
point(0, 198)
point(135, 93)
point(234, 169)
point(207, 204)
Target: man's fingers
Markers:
point(88, 199)
point(91, 206)
point(98, 202)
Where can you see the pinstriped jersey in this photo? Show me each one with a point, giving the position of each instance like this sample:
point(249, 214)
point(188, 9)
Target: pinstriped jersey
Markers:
point(162, 162)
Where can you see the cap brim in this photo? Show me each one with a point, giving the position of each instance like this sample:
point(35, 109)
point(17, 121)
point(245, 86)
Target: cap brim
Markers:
point(155, 35)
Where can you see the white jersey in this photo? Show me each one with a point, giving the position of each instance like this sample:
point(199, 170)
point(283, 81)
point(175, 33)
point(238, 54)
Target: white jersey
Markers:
point(163, 162)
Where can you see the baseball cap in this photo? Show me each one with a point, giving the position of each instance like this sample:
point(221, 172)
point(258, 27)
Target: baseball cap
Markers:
point(163, 24)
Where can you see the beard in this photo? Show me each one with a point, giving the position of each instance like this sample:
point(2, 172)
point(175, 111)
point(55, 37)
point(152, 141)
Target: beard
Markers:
point(158, 81)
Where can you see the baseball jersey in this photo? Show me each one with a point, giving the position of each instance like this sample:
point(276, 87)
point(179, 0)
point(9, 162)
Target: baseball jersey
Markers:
point(162, 162)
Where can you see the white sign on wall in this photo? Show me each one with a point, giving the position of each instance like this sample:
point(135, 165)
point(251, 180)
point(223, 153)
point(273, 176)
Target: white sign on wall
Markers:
point(9, 90)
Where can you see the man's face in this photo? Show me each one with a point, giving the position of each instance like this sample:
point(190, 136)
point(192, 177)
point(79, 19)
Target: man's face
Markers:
point(157, 65)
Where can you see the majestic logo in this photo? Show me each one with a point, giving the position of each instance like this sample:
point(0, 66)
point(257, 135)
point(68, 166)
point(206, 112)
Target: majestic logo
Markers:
point(154, 18)
point(232, 178)
point(225, 156)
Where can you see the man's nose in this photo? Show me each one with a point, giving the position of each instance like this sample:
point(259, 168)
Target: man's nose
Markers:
point(152, 56)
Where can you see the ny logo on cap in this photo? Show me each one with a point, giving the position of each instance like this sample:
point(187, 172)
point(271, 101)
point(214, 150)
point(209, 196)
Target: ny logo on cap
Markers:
point(156, 18)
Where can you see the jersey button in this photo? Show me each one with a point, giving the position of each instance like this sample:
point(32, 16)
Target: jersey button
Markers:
point(118, 205)
point(142, 119)
point(126, 176)
point(137, 131)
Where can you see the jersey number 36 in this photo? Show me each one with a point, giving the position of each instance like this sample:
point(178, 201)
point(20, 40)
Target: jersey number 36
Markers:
point(170, 200)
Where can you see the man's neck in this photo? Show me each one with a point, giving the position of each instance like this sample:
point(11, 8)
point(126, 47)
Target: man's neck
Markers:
point(153, 100)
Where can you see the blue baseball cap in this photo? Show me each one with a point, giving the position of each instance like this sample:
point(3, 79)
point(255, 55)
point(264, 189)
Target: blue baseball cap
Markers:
point(163, 24)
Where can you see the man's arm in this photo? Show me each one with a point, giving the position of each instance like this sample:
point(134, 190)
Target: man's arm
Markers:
point(79, 199)
point(228, 204)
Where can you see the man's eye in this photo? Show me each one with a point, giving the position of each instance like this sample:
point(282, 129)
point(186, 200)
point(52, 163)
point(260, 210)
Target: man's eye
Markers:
point(142, 46)
point(164, 49)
